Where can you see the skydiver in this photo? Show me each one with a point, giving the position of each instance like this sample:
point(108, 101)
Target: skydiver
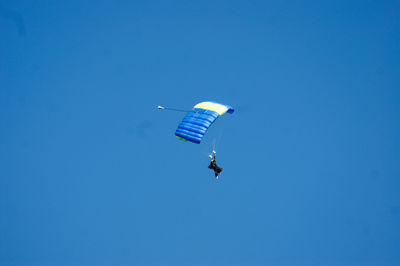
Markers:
point(213, 165)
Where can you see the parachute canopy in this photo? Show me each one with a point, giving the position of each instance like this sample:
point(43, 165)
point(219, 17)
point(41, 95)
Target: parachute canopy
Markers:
point(196, 122)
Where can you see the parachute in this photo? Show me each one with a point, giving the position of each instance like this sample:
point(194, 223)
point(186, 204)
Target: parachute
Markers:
point(196, 122)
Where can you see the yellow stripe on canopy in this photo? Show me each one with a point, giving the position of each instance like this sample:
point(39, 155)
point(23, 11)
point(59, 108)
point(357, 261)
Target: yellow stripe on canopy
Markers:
point(219, 108)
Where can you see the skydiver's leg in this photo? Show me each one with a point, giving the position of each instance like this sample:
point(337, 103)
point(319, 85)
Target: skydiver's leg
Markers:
point(218, 169)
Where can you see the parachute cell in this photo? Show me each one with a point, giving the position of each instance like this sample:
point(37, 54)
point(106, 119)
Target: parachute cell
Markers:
point(196, 122)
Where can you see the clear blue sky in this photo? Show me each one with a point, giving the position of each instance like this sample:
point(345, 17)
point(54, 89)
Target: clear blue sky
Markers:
point(90, 170)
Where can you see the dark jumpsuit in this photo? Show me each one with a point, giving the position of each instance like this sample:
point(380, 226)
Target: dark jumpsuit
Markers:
point(213, 165)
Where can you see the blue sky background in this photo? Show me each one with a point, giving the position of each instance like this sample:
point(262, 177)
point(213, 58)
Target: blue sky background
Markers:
point(90, 170)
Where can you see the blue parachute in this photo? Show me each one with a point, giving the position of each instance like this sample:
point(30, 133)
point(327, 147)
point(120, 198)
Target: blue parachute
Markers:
point(196, 122)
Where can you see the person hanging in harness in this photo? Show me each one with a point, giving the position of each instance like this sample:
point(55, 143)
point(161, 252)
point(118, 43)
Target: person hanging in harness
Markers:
point(213, 165)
